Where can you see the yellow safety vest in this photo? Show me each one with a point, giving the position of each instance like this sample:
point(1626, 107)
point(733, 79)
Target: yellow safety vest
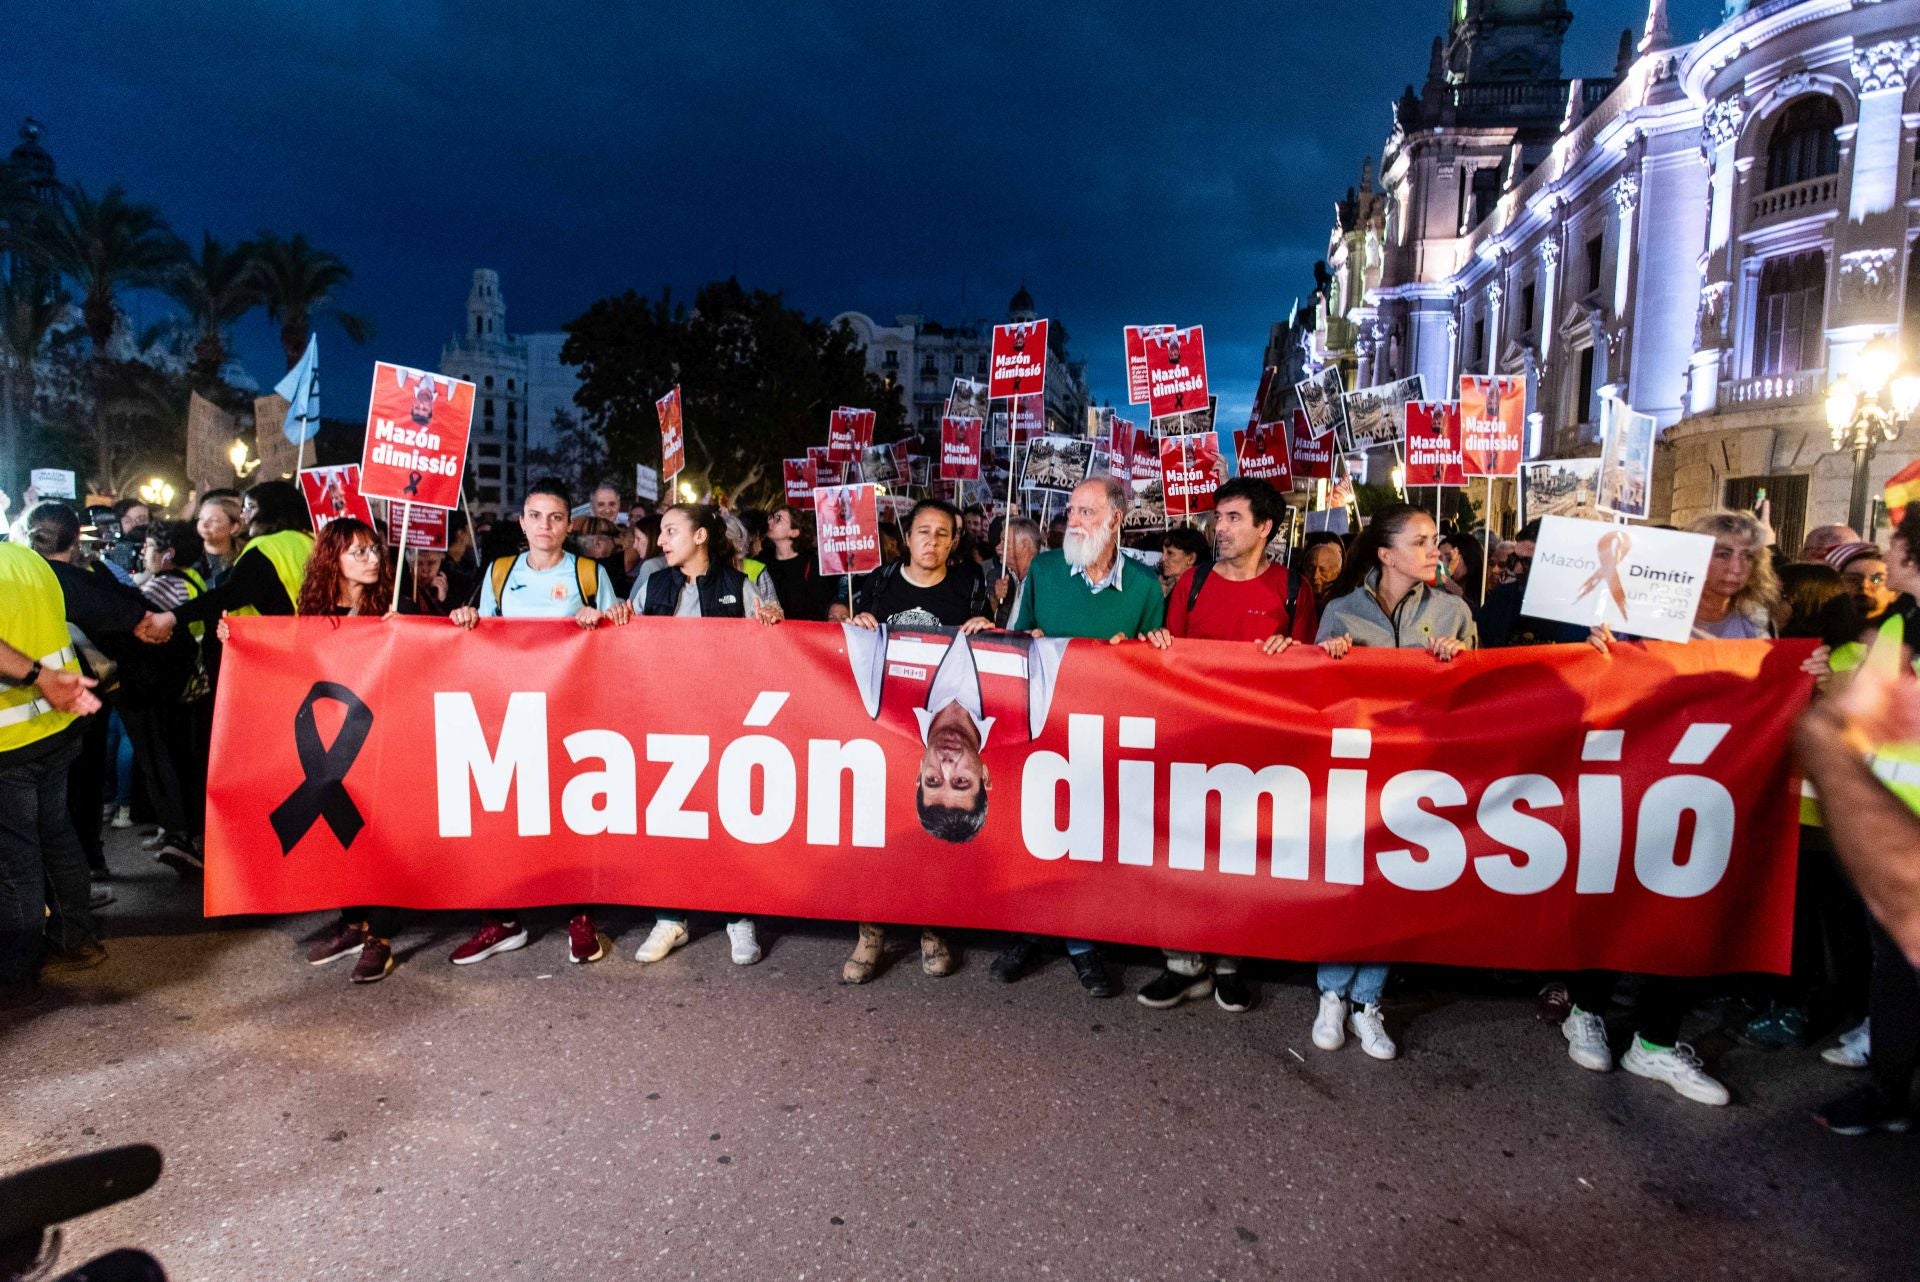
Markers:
point(33, 620)
point(1896, 764)
point(289, 551)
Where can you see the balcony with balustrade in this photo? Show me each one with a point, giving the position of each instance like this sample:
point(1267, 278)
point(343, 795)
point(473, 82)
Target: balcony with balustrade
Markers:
point(1814, 196)
point(1801, 387)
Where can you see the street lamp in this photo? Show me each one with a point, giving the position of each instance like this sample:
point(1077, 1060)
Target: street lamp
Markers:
point(157, 493)
point(1867, 406)
point(243, 467)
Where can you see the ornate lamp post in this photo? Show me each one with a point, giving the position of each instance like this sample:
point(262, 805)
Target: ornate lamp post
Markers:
point(1866, 406)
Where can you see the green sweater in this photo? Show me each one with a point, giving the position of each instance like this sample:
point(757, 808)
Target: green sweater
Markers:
point(1061, 604)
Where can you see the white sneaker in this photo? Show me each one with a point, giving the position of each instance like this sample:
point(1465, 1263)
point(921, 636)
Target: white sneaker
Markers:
point(1371, 1029)
point(1586, 1035)
point(1679, 1068)
point(122, 817)
point(1854, 1050)
point(746, 946)
point(661, 940)
point(1330, 1025)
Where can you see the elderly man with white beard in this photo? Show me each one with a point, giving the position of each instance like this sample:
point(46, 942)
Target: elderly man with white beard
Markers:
point(1084, 589)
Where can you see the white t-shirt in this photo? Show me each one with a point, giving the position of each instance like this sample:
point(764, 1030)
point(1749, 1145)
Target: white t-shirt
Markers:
point(541, 594)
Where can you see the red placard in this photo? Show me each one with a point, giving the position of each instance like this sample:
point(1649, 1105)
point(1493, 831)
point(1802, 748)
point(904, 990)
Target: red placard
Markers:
point(1029, 418)
point(334, 492)
point(673, 436)
point(1262, 451)
point(1353, 808)
point(1433, 444)
point(847, 518)
point(1120, 446)
point(418, 423)
point(1314, 458)
point(1260, 396)
point(1189, 472)
point(800, 476)
point(827, 470)
point(426, 527)
point(1493, 414)
point(1145, 456)
point(1135, 338)
point(960, 449)
point(1019, 365)
point(1176, 371)
point(849, 433)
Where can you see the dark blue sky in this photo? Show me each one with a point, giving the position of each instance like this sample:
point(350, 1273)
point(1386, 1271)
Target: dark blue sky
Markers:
point(1130, 162)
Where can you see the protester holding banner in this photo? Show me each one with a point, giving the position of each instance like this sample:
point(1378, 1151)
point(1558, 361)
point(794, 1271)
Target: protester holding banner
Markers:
point(43, 872)
point(160, 686)
point(927, 587)
point(700, 581)
point(1082, 589)
point(1384, 597)
point(1243, 597)
point(266, 574)
point(544, 582)
point(1737, 601)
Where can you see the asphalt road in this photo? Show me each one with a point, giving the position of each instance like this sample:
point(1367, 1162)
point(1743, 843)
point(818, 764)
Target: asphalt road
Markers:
point(528, 1119)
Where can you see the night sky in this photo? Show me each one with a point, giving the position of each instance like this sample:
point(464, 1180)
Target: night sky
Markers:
point(1130, 162)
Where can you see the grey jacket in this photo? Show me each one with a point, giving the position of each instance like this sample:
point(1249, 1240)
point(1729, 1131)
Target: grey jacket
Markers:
point(1422, 614)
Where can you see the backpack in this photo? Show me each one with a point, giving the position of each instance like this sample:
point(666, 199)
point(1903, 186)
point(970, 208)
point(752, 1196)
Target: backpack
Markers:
point(1205, 568)
point(586, 574)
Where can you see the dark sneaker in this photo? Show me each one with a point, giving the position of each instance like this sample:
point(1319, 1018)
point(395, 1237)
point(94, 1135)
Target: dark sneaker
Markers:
point(178, 854)
point(1777, 1028)
point(494, 937)
point(1555, 1003)
point(1231, 993)
point(376, 960)
point(585, 943)
point(1016, 962)
point(1861, 1112)
point(344, 940)
point(1170, 988)
point(1093, 973)
point(80, 957)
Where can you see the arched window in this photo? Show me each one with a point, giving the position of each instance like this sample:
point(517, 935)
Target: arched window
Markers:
point(1803, 145)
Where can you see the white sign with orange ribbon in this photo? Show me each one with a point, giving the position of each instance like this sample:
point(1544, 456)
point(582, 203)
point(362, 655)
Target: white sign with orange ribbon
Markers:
point(1639, 581)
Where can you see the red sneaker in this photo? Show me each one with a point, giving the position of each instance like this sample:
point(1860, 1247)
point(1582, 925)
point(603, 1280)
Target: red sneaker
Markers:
point(584, 942)
point(493, 937)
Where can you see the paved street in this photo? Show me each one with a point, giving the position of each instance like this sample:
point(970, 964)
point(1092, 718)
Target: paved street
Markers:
point(526, 1119)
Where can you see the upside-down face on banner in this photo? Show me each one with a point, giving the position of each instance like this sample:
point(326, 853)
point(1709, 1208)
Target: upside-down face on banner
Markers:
point(1541, 809)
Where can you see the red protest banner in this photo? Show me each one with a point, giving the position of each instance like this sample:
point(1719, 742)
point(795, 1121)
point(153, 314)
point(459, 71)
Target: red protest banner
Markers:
point(847, 518)
point(1189, 472)
point(417, 428)
point(1262, 452)
point(673, 436)
point(1176, 371)
point(827, 469)
point(1120, 446)
point(1636, 811)
point(1315, 458)
point(1134, 336)
point(959, 449)
point(800, 476)
point(426, 527)
point(849, 433)
point(1019, 360)
point(1492, 421)
point(1260, 396)
point(334, 492)
point(1433, 444)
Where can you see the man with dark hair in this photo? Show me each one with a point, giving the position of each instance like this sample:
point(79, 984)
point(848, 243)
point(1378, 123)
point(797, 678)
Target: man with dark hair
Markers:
point(1501, 623)
point(1238, 596)
point(544, 582)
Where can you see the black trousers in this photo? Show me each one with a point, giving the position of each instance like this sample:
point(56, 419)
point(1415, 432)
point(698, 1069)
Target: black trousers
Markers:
point(1894, 1004)
point(1663, 1002)
point(162, 748)
point(381, 922)
point(86, 786)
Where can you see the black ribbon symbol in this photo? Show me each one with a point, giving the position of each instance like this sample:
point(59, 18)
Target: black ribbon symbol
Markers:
point(413, 483)
point(323, 794)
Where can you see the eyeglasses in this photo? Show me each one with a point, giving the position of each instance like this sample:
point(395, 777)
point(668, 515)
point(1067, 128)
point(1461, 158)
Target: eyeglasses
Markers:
point(363, 552)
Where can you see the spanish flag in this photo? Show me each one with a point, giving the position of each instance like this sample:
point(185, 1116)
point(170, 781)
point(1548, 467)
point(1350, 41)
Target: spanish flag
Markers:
point(1902, 488)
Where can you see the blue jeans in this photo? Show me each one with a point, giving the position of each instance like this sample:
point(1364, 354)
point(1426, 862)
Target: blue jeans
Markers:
point(1359, 984)
point(120, 758)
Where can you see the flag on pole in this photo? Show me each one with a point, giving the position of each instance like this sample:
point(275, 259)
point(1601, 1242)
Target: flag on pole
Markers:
point(1903, 487)
point(301, 389)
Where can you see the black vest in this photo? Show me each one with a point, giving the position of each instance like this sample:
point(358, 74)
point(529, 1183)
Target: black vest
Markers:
point(720, 581)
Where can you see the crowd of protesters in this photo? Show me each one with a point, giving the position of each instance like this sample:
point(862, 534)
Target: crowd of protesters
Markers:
point(112, 654)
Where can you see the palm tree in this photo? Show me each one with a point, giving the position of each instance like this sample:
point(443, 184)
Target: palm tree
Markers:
point(104, 246)
point(216, 287)
point(28, 311)
point(296, 281)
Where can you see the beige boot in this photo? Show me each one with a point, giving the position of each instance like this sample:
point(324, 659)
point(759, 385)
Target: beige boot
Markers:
point(865, 961)
point(935, 957)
